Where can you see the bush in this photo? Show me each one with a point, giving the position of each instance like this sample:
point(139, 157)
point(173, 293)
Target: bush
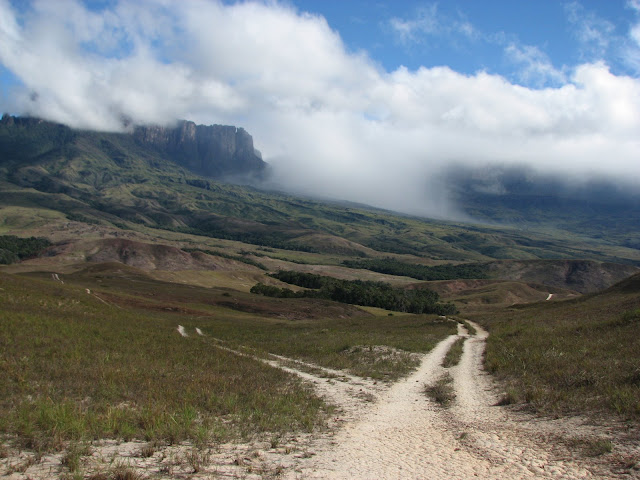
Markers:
point(357, 292)
point(14, 249)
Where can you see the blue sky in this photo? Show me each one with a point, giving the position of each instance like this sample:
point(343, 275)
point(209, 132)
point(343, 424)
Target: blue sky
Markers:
point(468, 36)
point(497, 36)
point(366, 101)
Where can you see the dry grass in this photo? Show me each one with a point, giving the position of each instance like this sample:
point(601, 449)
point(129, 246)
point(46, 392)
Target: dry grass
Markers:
point(441, 391)
point(76, 368)
point(470, 328)
point(575, 356)
point(454, 354)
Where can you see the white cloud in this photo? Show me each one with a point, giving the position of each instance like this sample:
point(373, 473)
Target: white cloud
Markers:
point(536, 67)
point(595, 33)
point(428, 22)
point(330, 122)
point(424, 22)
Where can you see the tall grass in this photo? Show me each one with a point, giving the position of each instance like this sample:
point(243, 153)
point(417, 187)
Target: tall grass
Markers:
point(76, 368)
point(579, 356)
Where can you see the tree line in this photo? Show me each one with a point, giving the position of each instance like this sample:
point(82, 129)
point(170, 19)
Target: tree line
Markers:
point(13, 249)
point(392, 266)
point(357, 292)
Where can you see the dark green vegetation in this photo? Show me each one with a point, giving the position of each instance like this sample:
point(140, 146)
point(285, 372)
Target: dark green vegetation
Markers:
point(14, 249)
point(112, 363)
point(575, 356)
point(357, 292)
point(392, 266)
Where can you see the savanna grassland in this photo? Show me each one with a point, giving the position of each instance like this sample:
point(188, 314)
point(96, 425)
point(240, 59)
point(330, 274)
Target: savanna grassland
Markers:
point(577, 356)
point(111, 363)
point(126, 310)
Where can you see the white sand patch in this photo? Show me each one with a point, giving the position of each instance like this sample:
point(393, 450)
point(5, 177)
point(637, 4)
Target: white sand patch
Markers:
point(199, 332)
point(182, 331)
point(550, 296)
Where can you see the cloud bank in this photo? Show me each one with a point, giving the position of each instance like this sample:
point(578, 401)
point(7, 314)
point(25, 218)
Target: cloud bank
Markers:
point(331, 122)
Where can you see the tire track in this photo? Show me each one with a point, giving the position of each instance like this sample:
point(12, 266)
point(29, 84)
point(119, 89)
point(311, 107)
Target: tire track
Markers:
point(405, 435)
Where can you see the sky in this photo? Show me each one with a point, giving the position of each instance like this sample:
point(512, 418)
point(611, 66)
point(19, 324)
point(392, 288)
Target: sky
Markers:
point(373, 102)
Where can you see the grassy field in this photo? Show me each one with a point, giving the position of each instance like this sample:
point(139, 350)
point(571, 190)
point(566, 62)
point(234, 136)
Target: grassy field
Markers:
point(111, 363)
point(575, 356)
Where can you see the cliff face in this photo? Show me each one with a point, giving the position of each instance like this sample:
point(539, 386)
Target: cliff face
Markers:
point(213, 150)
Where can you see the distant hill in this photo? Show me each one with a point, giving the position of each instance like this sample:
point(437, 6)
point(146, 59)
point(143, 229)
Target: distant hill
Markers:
point(584, 276)
point(215, 151)
point(518, 196)
point(169, 179)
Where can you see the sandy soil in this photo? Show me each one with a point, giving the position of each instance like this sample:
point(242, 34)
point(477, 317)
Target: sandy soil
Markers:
point(381, 432)
point(405, 435)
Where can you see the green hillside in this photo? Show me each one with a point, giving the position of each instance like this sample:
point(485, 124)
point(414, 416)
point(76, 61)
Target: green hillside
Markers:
point(574, 356)
point(110, 179)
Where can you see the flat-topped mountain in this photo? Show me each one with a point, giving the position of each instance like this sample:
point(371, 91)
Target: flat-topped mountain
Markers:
point(216, 151)
point(209, 150)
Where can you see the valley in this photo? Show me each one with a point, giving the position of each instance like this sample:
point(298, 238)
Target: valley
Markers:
point(131, 343)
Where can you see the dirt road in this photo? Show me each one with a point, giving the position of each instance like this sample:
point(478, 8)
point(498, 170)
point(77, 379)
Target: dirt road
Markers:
point(406, 435)
point(381, 432)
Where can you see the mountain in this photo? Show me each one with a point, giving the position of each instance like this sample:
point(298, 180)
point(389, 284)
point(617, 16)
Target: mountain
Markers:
point(216, 151)
point(518, 196)
point(154, 178)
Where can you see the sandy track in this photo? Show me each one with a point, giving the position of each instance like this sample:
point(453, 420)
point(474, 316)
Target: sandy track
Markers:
point(406, 435)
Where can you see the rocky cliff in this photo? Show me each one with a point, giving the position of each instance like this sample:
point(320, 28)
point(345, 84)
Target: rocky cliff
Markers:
point(210, 150)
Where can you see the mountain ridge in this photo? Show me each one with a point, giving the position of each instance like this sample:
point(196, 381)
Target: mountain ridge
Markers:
point(119, 181)
point(214, 151)
point(211, 150)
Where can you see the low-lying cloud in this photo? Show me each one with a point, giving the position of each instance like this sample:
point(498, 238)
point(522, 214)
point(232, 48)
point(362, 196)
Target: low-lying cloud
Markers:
point(331, 122)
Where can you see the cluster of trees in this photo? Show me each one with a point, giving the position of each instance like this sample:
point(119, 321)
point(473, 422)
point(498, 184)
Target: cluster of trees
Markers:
point(13, 249)
point(357, 292)
point(392, 266)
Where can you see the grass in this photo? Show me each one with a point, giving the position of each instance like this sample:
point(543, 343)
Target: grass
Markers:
point(327, 333)
point(77, 369)
point(575, 356)
point(441, 391)
point(73, 454)
point(376, 347)
point(470, 328)
point(118, 473)
point(454, 354)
